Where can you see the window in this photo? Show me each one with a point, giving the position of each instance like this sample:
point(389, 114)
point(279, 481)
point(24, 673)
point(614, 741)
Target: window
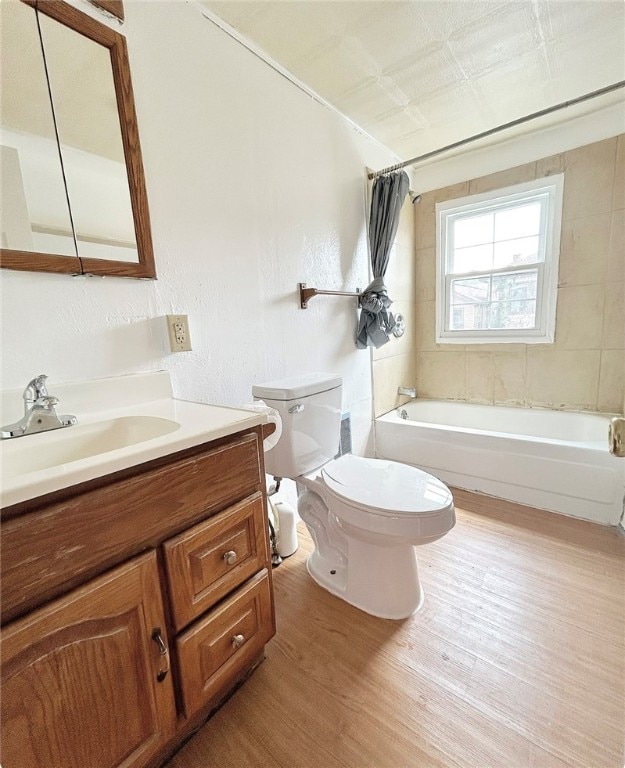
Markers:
point(497, 265)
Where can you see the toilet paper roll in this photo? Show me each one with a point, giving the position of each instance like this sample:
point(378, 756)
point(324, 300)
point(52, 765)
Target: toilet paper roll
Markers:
point(273, 417)
point(286, 533)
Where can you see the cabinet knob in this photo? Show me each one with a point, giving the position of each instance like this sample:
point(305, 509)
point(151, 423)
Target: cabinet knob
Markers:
point(230, 557)
point(237, 641)
point(163, 651)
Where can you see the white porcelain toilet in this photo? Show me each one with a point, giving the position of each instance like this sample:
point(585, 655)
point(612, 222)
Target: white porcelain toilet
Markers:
point(365, 516)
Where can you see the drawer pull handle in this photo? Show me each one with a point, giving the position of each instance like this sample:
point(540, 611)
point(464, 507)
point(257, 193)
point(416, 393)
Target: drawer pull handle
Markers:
point(230, 557)
point(237, 641)
point(163, 651)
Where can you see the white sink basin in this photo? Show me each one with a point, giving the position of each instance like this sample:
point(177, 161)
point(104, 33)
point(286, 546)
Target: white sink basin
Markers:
point(137, 421)
point(31, 453)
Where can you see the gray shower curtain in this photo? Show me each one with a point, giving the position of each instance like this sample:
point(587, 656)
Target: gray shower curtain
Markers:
point(376, 322)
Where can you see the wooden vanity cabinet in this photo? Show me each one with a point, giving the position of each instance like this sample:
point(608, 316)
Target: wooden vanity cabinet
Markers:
point(133, 607)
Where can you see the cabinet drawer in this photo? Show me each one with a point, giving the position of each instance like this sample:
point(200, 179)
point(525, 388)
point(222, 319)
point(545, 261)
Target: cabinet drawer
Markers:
point(219, 647)
point(213, 558)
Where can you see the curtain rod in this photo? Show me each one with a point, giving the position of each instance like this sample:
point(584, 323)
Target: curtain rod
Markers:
point(491, 131)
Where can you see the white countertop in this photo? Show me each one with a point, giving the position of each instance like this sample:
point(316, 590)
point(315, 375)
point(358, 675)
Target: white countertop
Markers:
point(197, 423)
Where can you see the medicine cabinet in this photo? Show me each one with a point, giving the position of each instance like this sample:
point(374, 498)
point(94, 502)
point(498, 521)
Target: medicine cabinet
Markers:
point(73, 189)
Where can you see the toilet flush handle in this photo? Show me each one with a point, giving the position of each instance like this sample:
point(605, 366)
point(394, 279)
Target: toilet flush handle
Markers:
point(296, 408)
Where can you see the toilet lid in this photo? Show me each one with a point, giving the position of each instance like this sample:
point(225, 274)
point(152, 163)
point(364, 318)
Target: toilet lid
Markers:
point(386, 487)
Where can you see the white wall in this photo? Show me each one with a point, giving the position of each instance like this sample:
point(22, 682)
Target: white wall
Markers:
point(253, 187)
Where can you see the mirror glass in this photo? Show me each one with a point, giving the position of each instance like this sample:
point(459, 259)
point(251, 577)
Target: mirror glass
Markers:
point(35, 213)
point(85, 107)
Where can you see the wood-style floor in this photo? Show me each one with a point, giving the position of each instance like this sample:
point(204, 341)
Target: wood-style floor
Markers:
point(516, 660)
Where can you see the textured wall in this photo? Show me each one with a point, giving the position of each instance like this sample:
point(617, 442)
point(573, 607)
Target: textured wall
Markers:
point(253, 186)
point(585, 367)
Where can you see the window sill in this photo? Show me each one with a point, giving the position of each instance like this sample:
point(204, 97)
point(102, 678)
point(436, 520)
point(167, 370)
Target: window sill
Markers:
point(470, 340)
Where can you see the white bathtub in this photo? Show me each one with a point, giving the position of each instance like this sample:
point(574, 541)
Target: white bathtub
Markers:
point(555, 460)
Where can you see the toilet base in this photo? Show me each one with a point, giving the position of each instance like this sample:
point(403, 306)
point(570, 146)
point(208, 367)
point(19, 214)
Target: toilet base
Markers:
point(382, 581)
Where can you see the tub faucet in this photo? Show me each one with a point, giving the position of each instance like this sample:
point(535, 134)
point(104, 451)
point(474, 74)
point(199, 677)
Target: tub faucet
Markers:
point(39, 412)
point(407, 391)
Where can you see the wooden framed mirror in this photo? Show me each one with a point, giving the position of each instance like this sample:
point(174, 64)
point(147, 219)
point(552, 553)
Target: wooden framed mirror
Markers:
point(114, 7)
point(74, 197)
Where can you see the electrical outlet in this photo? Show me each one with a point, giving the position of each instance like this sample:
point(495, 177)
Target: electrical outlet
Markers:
point(179, 337)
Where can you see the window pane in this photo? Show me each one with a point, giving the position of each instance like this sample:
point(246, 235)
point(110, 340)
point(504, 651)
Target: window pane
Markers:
point(478, 258)
point(475, 290)
point(467, 317)
point(520, 221)
point(473, 230)
point(519, 285)
point(512, 314)
point(523, 250)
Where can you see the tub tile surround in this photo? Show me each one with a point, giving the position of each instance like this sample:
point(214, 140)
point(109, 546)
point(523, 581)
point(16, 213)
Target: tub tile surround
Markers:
point(387, 372)
point(425, 216)
point(590, 173)
point(618, 201)
point(611, 379)
point(616, 260)
point(509, 376)
point(580, 317)
point(614, 317)
point(584, 250)
point(480, 376)
point(561, 377)
point(585, 368)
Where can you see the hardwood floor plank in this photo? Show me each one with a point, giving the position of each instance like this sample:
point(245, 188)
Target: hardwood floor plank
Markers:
point(516, 660)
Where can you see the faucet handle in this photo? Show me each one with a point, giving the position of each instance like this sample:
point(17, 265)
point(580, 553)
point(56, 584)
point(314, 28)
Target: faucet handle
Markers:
point(36, 389)
point(46, 402)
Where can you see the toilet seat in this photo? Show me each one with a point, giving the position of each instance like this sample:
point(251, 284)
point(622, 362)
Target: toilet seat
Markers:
point(385, 488)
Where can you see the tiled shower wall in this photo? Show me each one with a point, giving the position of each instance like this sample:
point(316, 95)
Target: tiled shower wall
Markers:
point(585, 367)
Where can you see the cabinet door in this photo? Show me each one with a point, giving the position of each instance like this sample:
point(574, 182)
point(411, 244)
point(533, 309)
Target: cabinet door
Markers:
point(85, 679)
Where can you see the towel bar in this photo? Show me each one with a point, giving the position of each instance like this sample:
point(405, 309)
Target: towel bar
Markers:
point(306, 294)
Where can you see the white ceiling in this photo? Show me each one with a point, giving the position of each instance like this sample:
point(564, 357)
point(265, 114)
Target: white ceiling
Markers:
point(420, 74)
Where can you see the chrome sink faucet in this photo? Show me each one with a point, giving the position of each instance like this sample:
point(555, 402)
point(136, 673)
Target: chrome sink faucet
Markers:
point(39, 412)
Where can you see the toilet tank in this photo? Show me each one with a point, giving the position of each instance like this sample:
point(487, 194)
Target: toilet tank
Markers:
point(310, 408)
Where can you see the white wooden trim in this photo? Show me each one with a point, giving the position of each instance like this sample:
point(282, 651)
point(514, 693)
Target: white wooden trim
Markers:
point(551, 188)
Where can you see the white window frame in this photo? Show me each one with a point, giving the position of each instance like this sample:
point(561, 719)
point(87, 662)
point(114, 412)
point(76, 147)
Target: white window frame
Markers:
point(549, 191)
